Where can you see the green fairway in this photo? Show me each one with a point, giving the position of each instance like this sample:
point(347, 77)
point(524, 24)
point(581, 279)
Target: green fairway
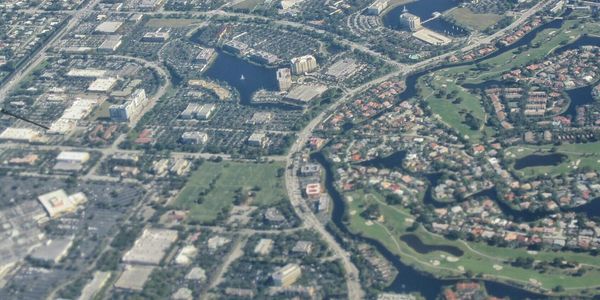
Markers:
point(452, 113)
point(478, 258)
point(446, 81)
point(219, 183)
point(579, 156)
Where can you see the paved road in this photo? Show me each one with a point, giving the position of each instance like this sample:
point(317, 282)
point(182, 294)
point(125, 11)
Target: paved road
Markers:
point(40, 55)
point(353, 283)
point(354, 288)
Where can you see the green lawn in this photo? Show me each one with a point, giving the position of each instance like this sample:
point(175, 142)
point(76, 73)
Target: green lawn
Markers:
point(453, 114)
point(465, 17)
point(229, 177)
point(479, 258)
point(248, 4)
point(579, 156)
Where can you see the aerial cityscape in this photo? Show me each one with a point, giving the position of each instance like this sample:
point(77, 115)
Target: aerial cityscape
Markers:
point(300, 149)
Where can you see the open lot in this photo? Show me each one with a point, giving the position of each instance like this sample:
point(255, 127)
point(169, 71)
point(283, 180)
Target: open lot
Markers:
point(216, 185)
point(465, 17)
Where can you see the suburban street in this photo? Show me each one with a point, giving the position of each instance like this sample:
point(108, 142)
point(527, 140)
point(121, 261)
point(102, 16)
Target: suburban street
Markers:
point(305, 214)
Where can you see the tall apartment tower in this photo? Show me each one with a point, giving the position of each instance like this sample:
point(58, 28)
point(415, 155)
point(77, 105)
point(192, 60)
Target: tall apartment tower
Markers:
point(304, 64)
point(284, 79)
point(410, 21)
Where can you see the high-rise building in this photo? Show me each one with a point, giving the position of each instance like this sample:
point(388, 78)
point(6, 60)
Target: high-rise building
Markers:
point(410, 21)
point(284, 79)
point(304, 64)
point(125, 112)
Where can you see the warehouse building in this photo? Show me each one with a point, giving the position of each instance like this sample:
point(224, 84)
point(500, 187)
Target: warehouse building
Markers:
point(287, 275)
point(150, 248)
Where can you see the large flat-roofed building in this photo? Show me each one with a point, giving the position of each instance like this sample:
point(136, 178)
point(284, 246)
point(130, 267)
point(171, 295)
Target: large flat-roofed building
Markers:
point(410, 21)
point(110, 44)
point(86, 73)
point(73, 157)
point(198, 111)
point(134, 277)
point(304, 64)
point(108, 27)
point(194, 138)
point(258, 139)
point(102, 85)
point(236, 47)
point(148, 5)
point(205, 55)
point(53, 250)
point(284, 79)
point(57, 203)
point(287, 275)
point(20, 135)
point(71, 161)
point(263, 247)
point(302, 94)
point(94, 286)
point(77, 111)
point(158, 36)
point(377, 7)
point(264, 57)
point(150, 248)
point(431, 37)
point(130, 110)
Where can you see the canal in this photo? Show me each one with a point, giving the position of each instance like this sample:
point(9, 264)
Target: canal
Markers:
point(409, 279)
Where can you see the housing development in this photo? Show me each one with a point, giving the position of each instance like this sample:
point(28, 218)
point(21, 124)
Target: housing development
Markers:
point(300, 149)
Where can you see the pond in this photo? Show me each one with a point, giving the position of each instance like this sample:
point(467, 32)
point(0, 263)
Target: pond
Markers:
point(540, 160)
point(392, 161)
point(578, 96)
point(245, 77)
point(416, 244)
point(409, 279)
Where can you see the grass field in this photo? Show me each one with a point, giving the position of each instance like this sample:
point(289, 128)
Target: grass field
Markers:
point(248, 4)
point(465, 17)
point(579, 156)
point(479, 258)
point(454, 114)
point(227, 177)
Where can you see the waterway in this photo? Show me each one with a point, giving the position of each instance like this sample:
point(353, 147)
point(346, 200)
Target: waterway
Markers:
point(416, 244)
point(424, 9)
point(392, 161)
point(584, 40)
point(539, 160)
point(409, 279)
point(579, 96)
point(411, 80)
point(230, 69)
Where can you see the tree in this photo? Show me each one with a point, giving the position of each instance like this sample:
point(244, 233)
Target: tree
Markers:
point(393, 199)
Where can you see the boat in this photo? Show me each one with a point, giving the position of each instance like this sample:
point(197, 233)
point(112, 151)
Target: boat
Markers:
point(242, 78)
